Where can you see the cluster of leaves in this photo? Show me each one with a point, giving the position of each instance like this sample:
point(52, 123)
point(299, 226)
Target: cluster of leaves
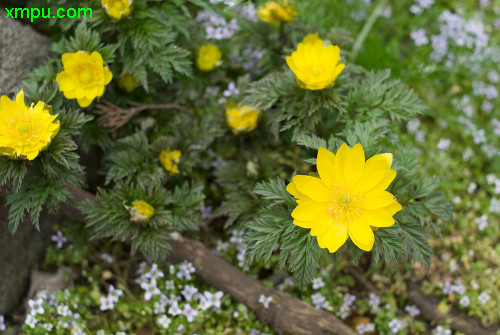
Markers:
point(54, 168)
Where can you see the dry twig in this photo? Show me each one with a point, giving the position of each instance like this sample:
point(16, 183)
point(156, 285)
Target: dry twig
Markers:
point(114, 117)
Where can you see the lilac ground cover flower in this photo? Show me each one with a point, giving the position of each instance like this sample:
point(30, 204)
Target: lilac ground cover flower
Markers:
point(59, 238)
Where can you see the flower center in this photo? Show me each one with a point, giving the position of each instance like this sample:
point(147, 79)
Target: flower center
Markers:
point(345, 199)
point(86, 76)
point(345, 206)
point(23, 128)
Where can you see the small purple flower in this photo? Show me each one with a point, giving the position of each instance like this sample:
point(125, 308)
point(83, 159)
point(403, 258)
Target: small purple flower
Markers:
point(174, 309)
point(188, 292)
point(2, 323)
point(154, 273)
point(412, 310)
point(185, 270)
point(59, 238)
point(265, 300)
point(114, 294)
point(189, 312)
point(374, 300)
point(151, 289)
point(106, 303)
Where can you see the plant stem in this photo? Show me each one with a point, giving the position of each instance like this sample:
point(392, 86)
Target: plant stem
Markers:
point(366, 29)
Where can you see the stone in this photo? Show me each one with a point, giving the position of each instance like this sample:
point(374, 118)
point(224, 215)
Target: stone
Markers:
point(21, 50)
point(19, 254)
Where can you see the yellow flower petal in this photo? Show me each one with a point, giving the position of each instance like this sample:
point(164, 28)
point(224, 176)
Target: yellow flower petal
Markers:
point(334, 237)
point(313, 188)
point(292, 189)
point(354, 164)
point(310, 211)
point(376, 168)
point(325, 163)
point(376, 199)
point(361, 234)
point(340, 159)
point(376, 218)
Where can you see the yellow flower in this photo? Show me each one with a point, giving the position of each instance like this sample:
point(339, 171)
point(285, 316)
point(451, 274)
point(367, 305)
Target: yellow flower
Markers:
point(274, 12)
point(25, 131)
point(117, 8)
point(241, 119)
point(311, 38)
point(169, 159)
point(84, 76)
point(141, 212)
point(347, 199)
point(315, 65)
point(128, 82)
point(208, 57)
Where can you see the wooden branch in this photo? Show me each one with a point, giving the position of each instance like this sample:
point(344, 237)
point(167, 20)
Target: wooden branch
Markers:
point(459, 320)
point(285, 312)
point(114, 117)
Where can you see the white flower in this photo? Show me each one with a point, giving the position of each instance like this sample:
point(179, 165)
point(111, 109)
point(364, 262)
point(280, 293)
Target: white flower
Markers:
point(100, 332)
point(265, 300)
point(482, 222)
point(374, 300)
point(106, 303)
point(109, 259)
point(214, 298)
point(494, 205)
point(2, 323)
point(47, 326)
point(412, 310)
point(318, 283)
point(188, 292)
point(36, 306)
point(419, 37)
point(444, 144)
point(319, 301)
point(185, 270)
point(114, 294)
point(189, 312)
point(441, 331)
point(159, 308)
point(63, 310)
point(349, 299)
point(30, 321)
point(163, 321)
point(484, 298)
point(464, 301)
point(169, 285)
point(154, 273)
point(151, 289)
point(174, 309)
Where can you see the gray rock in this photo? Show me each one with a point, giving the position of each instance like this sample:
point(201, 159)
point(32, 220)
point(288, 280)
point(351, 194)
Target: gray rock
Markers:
point(19, 254)
point(21, 50)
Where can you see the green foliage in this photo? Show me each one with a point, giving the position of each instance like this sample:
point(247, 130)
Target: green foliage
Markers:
point(131, 159)
point(378, 96)
point(109, 215)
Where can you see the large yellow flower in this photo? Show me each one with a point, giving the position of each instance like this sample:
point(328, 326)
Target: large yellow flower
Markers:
point(315, 65)
point(84, 76)
point(276, 12)
point(170, 159)
point(117, 8)
point(25, 131)
point(209, 56)
point(241, 119)
point(347, 200)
